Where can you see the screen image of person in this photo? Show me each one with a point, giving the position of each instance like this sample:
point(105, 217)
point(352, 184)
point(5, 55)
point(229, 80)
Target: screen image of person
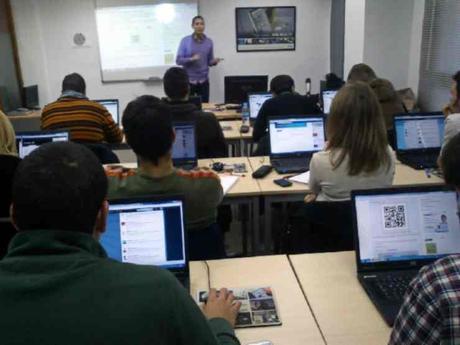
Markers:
point(196, 55)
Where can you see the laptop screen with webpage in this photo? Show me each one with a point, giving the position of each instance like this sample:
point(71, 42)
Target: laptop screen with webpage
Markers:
point(409, 225)
point(328, 97)
point(28, 141)
point(146, 233)
point(112, 107)
point(184, 147)
point(419, 132)
point(256, 100)
point(296, 135)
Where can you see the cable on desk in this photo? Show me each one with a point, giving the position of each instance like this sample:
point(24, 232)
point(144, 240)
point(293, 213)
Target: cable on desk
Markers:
point(306, 299)
point(208, 271)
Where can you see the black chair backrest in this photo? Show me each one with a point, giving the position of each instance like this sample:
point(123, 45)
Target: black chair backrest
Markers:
point(103, 153)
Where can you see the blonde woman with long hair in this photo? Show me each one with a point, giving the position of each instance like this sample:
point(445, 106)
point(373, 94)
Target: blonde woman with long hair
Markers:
point(8, 163)
point(357, 155)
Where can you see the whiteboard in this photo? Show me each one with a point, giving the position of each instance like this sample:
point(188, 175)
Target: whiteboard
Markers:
point(139, 40)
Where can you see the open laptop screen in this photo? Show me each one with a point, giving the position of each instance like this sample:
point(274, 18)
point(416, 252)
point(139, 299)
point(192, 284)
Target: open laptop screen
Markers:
point(256, 100)
point(296, 135)
point(112, 107)
point(407, 225)
point(184, 147)
point(419, 132)
point(328, 97)
point(26, 142)
point(146, 233)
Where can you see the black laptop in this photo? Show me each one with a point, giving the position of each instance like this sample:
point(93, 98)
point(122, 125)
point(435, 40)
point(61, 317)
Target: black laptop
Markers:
point(26, 142)
point(293, 140)
point(397, 231)
point(419, 138)
point(148, 231)
point(184, 152)
point(256, 100)
point(327, 96)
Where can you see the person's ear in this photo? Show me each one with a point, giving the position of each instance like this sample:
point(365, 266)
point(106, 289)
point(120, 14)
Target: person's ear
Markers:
point(101, 220)
point(13, 217)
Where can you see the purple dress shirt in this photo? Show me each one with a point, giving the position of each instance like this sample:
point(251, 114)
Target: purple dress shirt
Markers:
point(197, 70)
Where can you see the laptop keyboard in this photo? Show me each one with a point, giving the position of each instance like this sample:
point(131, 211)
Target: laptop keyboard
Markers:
point(421, 161)
point(392, 287)
point(288, 165)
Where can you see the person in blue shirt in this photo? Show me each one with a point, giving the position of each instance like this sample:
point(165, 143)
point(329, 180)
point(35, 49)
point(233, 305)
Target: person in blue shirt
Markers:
point(196, 55)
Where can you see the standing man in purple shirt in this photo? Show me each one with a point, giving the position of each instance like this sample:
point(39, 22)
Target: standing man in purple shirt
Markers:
point(196, 55)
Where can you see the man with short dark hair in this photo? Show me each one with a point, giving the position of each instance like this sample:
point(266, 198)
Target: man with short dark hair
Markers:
point(196, 55)
point(87, 121)
point(210, 138)
point(361, 72)
point(285, 101)
point(57, 285)
point(149, 132)
point(431, 309)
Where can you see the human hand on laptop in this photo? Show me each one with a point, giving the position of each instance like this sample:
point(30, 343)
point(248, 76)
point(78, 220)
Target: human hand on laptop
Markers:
point(222, 305)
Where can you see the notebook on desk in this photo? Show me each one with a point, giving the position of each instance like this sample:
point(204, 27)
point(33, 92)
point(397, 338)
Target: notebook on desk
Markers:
point(419, 139)
point(26, 142)
point(397, 231)
point(148, 231)
point(184, 151)
point(293, 141)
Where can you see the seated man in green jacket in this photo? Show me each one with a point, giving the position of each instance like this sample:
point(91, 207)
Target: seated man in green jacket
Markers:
point(57, 285)
point(149, 131)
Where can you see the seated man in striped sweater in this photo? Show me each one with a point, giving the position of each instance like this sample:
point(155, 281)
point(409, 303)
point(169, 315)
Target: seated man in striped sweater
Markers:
point(87, 121)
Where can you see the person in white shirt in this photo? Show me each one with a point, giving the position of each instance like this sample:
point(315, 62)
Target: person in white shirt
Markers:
point(357, 154)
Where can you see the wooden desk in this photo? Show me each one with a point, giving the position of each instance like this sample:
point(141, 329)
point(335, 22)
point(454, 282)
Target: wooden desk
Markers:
point(298, 328)
point(344, 312)
point(221, 112)
point(233, 136)
point(27, 121)
point(404, 175)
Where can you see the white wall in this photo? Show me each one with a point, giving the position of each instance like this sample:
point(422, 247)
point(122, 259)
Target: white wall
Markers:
point(45, 29)
point(355, 12)
point(385, 34)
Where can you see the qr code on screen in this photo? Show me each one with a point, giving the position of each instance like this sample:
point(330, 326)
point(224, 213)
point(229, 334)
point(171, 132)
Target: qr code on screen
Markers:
point(395, 216)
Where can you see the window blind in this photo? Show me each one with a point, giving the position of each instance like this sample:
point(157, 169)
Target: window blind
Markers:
point(440, 53)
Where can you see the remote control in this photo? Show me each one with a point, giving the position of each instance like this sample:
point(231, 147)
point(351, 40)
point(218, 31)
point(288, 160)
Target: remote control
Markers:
point(263, 171)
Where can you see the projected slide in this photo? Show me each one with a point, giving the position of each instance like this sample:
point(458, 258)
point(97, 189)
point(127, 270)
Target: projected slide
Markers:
point(141, 37)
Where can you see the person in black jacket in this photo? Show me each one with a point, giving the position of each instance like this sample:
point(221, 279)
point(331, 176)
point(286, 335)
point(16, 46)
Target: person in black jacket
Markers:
point(285, 101)
point(210, 138)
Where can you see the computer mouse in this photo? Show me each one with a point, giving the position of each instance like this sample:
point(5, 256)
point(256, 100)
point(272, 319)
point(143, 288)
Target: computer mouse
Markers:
point(217, 166)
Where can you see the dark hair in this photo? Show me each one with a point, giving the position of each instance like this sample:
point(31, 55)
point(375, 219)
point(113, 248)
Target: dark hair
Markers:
point(196, 18)
point(176, 83)
point(281, 83)
point(456, 78)
point(59, 186)
point(148, 128)
point(356, 129)
point(361, 72)
point(74, 82)
point(450, 162)
point(333, 82)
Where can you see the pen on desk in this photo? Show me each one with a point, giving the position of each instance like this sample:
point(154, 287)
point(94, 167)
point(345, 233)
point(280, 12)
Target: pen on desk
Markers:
point(427, 173)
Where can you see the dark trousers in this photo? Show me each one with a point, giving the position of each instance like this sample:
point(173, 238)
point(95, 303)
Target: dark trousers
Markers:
point(206, 244)
point(201, 90)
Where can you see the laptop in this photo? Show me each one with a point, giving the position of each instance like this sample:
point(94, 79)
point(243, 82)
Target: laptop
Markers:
point(256, 100)
point(148, 231)
point(397, 231)
point(327, 96)
point(184, 152)
point(418, 139)
point(26, 142)
point(112, 107)
point(293, 140)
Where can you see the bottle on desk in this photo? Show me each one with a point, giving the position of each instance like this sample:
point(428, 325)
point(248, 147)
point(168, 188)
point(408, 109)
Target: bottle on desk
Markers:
point(245, 118)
